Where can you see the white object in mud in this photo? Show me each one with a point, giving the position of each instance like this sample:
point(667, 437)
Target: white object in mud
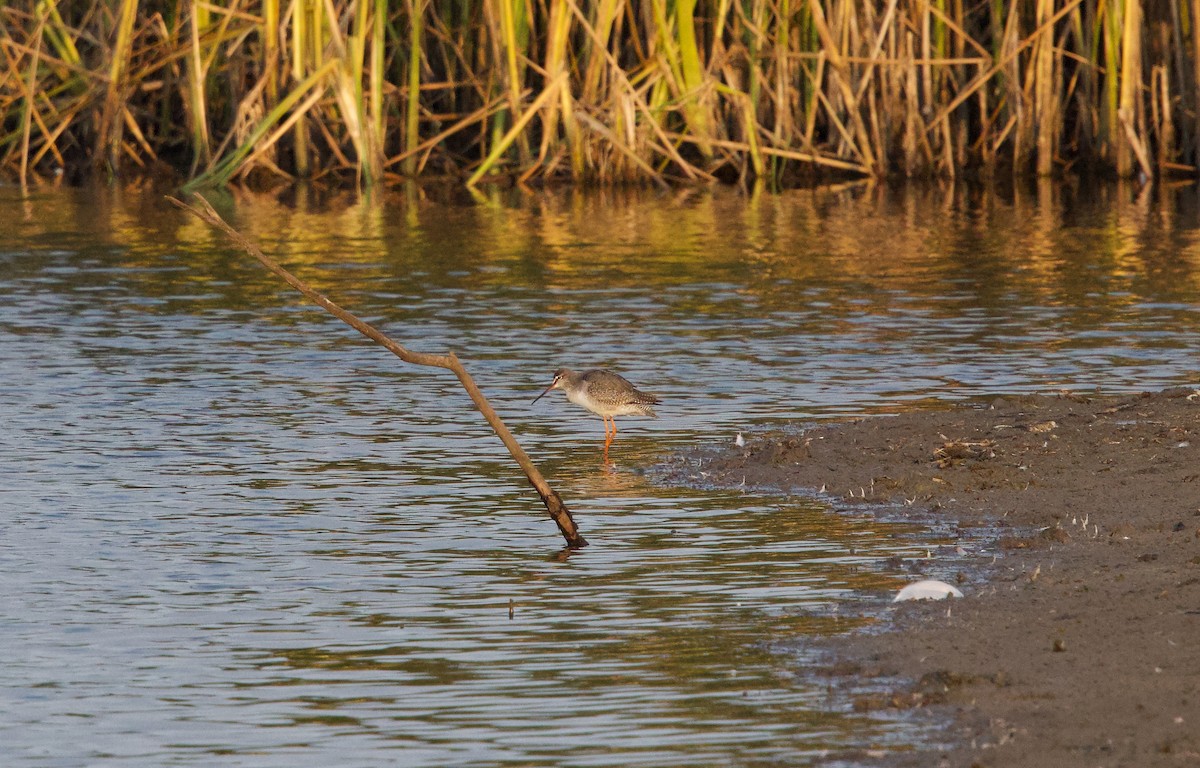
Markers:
point(927, 589)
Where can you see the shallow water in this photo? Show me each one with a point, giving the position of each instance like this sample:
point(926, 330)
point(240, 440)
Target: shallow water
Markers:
point(239, 534)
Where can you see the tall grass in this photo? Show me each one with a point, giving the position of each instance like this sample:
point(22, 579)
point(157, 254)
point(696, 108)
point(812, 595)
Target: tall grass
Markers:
point(605, 91)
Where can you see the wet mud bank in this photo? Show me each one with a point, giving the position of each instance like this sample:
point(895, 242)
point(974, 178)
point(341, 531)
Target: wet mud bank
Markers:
point(1078, 641)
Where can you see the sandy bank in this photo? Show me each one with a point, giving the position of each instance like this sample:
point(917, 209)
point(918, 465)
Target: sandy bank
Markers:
point(1080, 645)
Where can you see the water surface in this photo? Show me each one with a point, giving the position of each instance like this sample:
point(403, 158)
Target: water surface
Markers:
point(239, 534)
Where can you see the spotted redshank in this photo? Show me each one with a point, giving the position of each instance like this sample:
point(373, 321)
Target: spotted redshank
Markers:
point(605, 394)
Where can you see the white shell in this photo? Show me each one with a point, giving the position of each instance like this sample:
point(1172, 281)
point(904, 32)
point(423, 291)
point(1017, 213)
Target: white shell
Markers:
point(927, 589)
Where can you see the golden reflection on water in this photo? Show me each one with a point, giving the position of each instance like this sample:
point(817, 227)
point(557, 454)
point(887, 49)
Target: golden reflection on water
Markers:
point(1040, 269)
point(1051, 241)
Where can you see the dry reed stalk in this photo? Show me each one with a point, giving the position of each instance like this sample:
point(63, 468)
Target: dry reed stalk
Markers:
point(135, 130)
point(30, 102)
point(356, 109)
point(637, 100)
point(557, 114)
point(378, 61)
point(108, 135)
point(860, 145)
point(51, 135)
point(1160, 104)
point(787, 154)
point(489, 162)
point(270, 140)
point(616, 143)
point(478, 116)
point(1128, 113)
point(23, 100)
point(873, 60)
point(1192, 9)
point(270, 35)
point(304, 96)
point(1045, 101)
point(920, 87)
point(927, 53)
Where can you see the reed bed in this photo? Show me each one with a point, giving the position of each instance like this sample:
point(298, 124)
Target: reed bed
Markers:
point(608, 91)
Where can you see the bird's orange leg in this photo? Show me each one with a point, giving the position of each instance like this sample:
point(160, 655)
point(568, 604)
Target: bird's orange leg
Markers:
point(608, 436)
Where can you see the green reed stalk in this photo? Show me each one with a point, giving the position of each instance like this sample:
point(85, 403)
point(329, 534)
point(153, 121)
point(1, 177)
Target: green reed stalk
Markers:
point(1084, 95)
point(514, 32)
point(814, 74)
point(412, 119)
point(197, 87)
point(58, 34)
point(605, 14)
point(692, 72)
point(269, 34)
point(301, 32)
point(783, 75)
point(672, 75)
point(359, 108)
point(1112, 25)
point(759, 70)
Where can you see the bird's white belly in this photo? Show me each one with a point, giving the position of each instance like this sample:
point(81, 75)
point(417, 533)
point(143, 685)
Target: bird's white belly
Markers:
point(580, 397)
point(606, 408)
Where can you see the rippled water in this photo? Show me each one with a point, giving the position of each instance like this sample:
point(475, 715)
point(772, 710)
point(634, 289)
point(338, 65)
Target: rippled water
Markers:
point(236, 533)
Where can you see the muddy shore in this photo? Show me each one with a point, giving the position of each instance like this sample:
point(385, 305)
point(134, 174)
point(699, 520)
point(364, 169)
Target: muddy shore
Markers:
point(1078, 640)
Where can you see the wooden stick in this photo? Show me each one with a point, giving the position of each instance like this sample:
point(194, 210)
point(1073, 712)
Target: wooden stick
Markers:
point(554, 503)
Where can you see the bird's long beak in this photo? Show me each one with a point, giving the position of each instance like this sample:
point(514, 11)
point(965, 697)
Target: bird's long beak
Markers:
point(553, 384)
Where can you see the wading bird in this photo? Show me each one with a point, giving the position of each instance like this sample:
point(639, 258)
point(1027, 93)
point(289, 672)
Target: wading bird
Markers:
point(605, 394)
